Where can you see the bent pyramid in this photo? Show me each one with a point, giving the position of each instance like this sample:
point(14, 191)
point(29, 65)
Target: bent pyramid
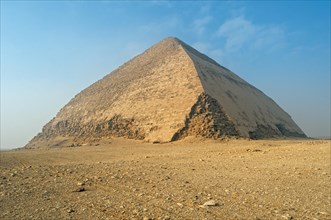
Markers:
point(168, 92)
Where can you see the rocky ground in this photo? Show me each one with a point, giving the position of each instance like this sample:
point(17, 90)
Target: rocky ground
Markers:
point(237, 179)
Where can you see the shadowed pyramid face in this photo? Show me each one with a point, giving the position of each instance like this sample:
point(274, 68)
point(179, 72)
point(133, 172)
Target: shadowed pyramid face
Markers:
point(167, 93)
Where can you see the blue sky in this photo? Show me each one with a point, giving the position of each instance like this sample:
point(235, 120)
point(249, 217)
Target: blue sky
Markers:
point(52, 50)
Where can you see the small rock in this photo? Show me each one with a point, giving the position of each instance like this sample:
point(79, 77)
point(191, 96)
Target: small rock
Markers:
point(287, 216)
point(80, 189)
point(80, 184)
point(180, 204)
point(70, 210)
point(210, 203)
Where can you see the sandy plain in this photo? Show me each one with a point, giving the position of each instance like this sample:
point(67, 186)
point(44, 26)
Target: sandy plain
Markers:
point(121, 179)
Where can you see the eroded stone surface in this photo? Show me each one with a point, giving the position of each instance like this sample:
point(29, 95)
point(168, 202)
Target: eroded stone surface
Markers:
point(206, 119)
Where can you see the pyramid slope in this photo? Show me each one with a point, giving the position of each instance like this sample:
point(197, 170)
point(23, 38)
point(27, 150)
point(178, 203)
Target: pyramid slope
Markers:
point(254, 114)
point(164, 94)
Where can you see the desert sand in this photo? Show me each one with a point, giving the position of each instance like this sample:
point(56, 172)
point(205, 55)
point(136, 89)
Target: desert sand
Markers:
point(125, 179)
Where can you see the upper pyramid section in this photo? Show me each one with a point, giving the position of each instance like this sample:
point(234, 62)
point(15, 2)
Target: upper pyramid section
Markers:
point(164, 94)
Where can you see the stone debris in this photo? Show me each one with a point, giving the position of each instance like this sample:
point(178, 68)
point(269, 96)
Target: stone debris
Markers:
point(80, 189)
point(287, 217)
point(80, 183)
point(180, 204)
point(211, 202)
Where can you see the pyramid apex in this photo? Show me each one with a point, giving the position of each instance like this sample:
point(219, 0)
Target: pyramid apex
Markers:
point(171, 39)
point(168, 43)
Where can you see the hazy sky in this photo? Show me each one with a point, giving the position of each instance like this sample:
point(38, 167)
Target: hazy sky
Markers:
point(52, 50)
